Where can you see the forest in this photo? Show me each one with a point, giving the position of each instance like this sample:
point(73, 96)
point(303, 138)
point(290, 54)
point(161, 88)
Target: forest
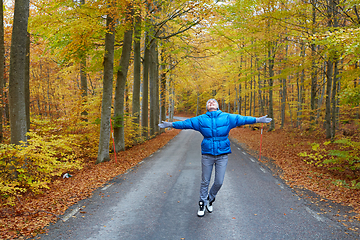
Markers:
point(84, 79)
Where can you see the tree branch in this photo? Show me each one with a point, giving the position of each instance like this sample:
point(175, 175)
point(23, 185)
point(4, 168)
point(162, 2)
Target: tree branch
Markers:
point(180, 31)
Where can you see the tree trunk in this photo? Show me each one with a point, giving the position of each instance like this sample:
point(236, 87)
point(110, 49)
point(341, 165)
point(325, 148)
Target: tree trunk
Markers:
point(261, 102)
point(329, 76)
point(157, 89)
point(27, 83)
point(171, 97)
point(251, 83)
point(313, 71)
point(153, 86)
point(197, 104)
point(321, 99)
point(236, 100)
point(17, 73)
point(283, 102)
point(145, 95)
point(83, 80)
point(301, 89)
point(103, 152)
point(271, 56)
point(163, 88)
point(119, 134)
point(240, 100)
point(284, 93)
point(83, 83)
point(2, 63)
point(137, 69)
point(334, 100)
point(229, 102)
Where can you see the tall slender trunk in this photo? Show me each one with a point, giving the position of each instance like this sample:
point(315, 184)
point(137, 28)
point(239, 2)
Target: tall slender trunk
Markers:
point(240, 100)
point(2, 63)
point(137, 68)
point(332, 22)
point(157, 90)
point(103, 152)
point(197, 103)
point(323, 90)
point(27, 83)
point(271, 56)
point(334, 100)
point(171, 97)
point(163, 87)
point(261, 103)
point(153, 85)
point(83, 80)
point(84, 87)
point(245, 94)
point(17, 73)
point(329, 76)
point(283, 102)
point(145, 94)
point(284, 92)
point(301, 97)
point(251, 82)
point(119, 104)
point(313, 70)
point(236, 100)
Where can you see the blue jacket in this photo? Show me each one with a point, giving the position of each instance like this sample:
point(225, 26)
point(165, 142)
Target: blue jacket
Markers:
point(215, 127)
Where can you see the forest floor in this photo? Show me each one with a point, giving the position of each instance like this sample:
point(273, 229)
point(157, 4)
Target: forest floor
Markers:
point(280, 149)
point(32, 213)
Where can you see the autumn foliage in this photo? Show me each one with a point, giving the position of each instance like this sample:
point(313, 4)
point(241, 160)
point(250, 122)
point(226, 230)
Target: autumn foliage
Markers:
point(296, 61)
point(31, 212)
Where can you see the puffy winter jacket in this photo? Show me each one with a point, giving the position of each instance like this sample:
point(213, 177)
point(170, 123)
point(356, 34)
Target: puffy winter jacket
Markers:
point(215, 127)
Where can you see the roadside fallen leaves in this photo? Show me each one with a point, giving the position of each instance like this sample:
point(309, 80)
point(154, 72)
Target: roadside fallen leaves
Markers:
point(283, 146)
point(33, 212)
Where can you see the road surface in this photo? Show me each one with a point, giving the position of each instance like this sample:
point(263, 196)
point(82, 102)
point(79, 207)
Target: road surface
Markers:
point(158, 199)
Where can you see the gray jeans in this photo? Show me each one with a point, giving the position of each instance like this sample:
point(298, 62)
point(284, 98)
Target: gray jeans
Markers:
point(207, 162)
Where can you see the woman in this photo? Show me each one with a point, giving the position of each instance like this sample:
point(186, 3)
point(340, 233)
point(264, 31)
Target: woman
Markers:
point(215, 126)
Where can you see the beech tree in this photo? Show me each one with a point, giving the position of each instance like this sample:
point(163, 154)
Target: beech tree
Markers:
point(103, 152)
point(119, 113)
point(137, 63)
point(83, 79)
point(2, 63)
point(17, 73)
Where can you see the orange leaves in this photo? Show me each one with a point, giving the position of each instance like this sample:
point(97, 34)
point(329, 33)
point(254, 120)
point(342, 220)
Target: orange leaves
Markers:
point(283, 147)
point(36, 212)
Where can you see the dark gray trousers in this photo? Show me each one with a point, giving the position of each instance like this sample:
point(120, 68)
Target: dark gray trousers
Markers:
point(207, 162)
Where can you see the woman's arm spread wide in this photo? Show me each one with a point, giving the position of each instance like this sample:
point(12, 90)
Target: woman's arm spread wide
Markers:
point(242, 120)
point(191, 123)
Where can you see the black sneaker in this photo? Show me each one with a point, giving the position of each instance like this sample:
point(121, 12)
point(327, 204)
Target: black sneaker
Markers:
point(209, 206)
point(201, 211)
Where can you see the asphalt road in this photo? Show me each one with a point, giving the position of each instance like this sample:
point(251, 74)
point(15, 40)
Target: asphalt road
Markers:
point(158, 199)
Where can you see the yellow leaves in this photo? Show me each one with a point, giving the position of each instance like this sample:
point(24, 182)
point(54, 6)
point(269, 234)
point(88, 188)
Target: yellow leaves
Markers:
point(65, 192)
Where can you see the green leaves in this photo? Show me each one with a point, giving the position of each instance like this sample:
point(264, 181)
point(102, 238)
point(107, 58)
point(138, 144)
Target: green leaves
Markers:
point(344, 156)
